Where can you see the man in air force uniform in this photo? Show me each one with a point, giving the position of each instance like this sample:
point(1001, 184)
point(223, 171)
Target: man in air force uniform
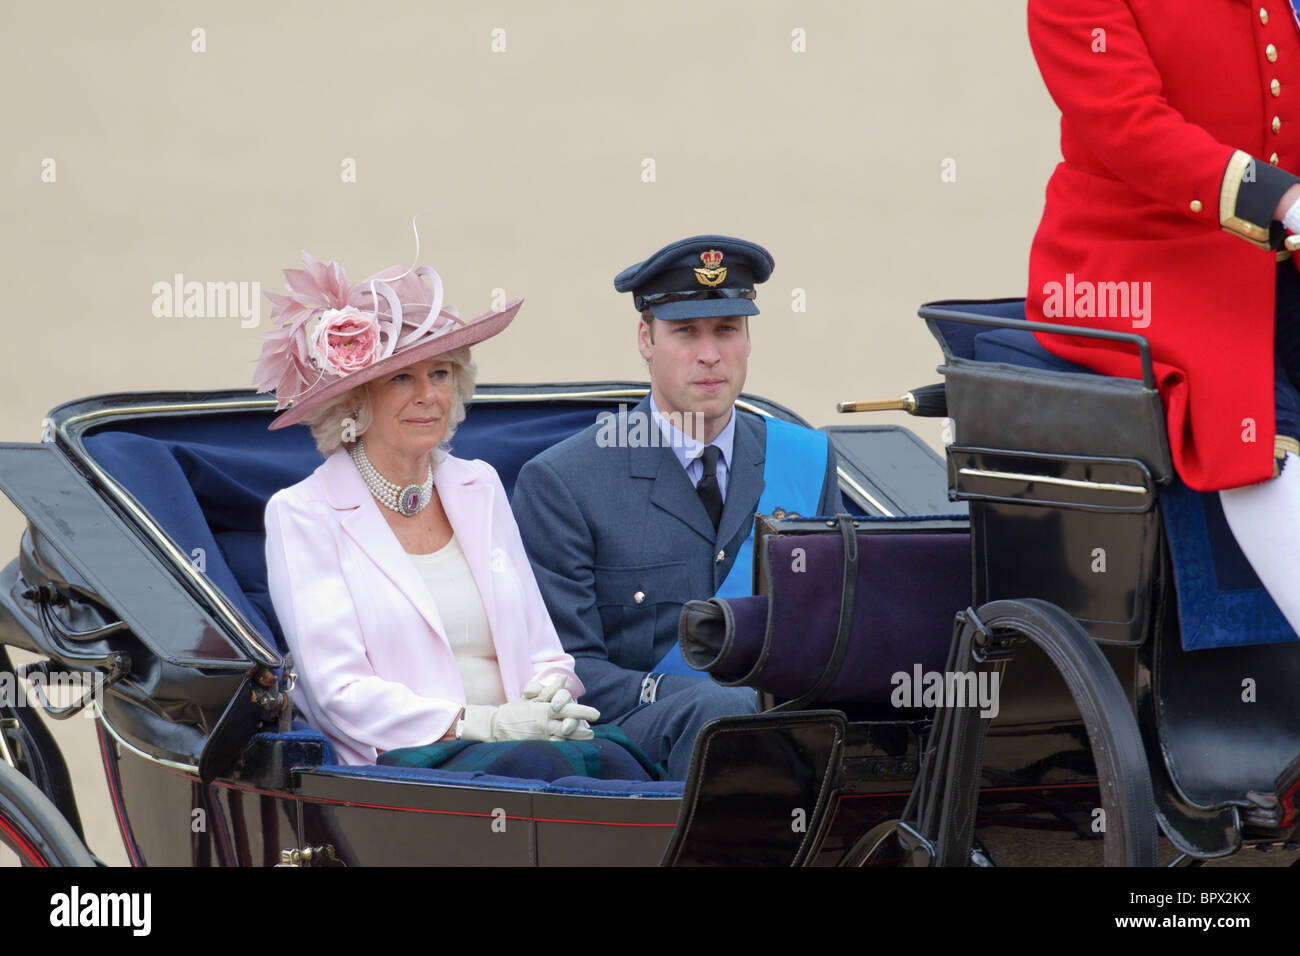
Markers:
point(641, 512)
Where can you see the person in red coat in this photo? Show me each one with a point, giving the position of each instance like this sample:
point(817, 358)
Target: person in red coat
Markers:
point(1180, 121)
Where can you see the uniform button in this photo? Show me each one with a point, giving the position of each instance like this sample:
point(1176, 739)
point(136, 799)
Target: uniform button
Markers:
point(1263, 15)
point(1196, 205)
point(1275, 88)
point(1270, 53)
point(1277, 124)
point(1273, 159)
point(639, 597)
point(722, 556)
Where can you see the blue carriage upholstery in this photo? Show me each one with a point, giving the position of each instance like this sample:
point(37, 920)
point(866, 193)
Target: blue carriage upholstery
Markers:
point(206, 480)
point(1221, 602)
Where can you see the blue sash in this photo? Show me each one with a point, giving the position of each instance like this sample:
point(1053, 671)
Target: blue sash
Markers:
point(792, 480)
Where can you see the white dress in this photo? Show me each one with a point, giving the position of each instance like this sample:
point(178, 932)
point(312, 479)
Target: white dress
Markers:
point(447, 575)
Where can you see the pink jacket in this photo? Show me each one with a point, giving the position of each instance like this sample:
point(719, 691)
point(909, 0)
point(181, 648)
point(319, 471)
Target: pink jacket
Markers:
point(374, 669)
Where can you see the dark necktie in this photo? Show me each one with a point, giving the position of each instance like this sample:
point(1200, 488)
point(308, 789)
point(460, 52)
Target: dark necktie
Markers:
point(708, 486)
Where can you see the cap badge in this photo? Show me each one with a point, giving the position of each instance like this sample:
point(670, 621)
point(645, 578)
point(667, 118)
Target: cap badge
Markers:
point(713, 273)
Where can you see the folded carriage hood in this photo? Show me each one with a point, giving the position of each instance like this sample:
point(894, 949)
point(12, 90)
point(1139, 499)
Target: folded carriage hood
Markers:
point(115, 562)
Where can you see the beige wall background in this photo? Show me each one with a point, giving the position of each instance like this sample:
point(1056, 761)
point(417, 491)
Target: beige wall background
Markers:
point(222, 164)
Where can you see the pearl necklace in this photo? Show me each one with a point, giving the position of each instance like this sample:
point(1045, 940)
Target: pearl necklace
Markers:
point(408, 501)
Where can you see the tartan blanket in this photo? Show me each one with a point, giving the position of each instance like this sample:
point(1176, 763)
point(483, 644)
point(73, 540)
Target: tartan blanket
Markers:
point(608, 756)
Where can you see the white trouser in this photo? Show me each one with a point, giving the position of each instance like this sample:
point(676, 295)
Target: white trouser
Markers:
point(1265, 520)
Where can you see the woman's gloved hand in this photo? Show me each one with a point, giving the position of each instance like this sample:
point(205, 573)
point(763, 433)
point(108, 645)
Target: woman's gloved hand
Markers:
point(575, 716)
point(525, 719)
point(545, 688)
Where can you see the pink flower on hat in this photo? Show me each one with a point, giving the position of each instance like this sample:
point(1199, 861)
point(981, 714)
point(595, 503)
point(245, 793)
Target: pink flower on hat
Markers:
point(285, 365)
point(344, 340)
point(326, 331)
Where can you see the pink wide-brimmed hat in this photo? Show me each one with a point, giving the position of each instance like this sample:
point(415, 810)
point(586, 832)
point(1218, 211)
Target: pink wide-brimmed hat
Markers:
point(331, 337)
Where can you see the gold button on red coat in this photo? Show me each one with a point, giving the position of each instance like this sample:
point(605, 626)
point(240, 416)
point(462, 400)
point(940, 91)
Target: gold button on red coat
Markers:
point(1270, 53)
point(1263, 15)
point(1273, 159)
point(1195, 205)
point(1277, 124)
point(1275, 88)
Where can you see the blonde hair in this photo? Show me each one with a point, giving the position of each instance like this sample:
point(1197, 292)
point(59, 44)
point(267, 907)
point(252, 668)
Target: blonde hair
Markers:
point(345, 419)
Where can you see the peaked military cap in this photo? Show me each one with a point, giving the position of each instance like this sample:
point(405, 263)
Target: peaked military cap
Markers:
point(699, 277)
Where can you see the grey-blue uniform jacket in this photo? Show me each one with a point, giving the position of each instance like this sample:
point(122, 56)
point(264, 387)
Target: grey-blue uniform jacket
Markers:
point(619, 539)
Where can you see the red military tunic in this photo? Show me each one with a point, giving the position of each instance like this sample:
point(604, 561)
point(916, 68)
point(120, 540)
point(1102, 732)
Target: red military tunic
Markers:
point(1163, 104)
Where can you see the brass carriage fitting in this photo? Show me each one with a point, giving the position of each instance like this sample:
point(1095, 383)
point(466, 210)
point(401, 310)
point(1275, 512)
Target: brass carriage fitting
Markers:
point(307, 856)
point(928, 401)
point(904, 404)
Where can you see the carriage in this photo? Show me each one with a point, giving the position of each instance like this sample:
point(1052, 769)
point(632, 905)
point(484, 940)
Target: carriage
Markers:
point(1046, 558)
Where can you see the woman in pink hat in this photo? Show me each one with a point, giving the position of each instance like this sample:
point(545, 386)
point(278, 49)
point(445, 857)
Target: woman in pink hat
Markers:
point(396, 569)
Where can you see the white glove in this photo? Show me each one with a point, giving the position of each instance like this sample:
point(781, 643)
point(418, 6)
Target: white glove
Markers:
point(526, 720)
point(574, 715)
point(545, 689)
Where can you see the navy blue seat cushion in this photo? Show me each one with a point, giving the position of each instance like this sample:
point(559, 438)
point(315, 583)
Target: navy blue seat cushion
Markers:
point(1017, 347)
point(1221, 602)
point(1013, 346)
point(206, 480)
point(585, 786)
point(300, 734)
point(959, 337)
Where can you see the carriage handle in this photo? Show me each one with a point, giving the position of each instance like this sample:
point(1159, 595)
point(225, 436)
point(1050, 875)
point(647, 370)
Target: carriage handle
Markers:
point(113, 666)
point(933, 314)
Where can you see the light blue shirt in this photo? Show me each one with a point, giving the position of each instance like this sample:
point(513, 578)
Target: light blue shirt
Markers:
point(688, 450)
